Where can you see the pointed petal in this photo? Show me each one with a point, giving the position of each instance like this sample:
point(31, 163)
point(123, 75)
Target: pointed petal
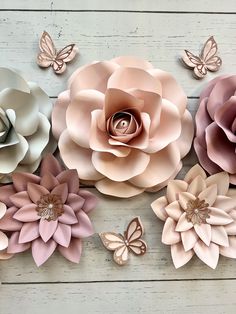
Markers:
point(219, 235)
point(3, 241)
point(62, 235)
point(158, 207)
point(230, 229)
point(49, 181)
point(29, 232)
point(47, 229)
point(75, 201)
point(208, 254)
point(221, 180)
point(68, 217)
point(14, 246)
point(218, 217)
point(183, 224)
point(189, 239)
point(84, 228)
point(62, 191)
point(50, 164)
point(174, 210)
point(41, 251)
point(225, 203)
point(184, 198)
point(204, 232)
point(5, 193)
point(169, 235)
point(71, 178)
point(8, 223)
point(3, 209)
point(90, 200)
point(229, 251)
point(20, 199)
point(209, 194)
point(179, 256)
point(35, 191)
point(197, 185)
point(174, 188)
point(27, 213)
point(21, 180)
point(73, 252)
point(194, 172)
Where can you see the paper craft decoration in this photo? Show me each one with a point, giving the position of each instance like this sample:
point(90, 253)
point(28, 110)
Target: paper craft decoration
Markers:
point(3, 237)
point(207, 61)
point(46, 212)
point(123, 244)
point(215, 141)
point(123, 125)
point(200, 217)
point(49, 56)
point(25, 136)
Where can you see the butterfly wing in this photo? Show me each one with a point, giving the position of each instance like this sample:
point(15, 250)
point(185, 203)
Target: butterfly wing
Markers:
point(64, 55)
point(208, 55)
point(190, 59)
point(133, 234)
point(48, 51)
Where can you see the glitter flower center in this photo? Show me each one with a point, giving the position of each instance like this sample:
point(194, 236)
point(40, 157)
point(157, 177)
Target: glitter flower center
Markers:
point(197, 211)
point(50, 207)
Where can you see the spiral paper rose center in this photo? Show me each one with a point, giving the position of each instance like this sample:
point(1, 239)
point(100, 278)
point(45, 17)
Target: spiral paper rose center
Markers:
point(4, 125)
point(197, 211)
point(122, 123)
point(50, 207)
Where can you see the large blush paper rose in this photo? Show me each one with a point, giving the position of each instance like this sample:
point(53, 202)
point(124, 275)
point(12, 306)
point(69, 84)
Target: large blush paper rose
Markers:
point(24, 124)
point(123, 125)
point(215, 141)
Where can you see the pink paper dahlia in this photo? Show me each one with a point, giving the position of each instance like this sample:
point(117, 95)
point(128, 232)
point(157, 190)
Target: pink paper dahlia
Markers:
point(200, 217)
point(47, 212)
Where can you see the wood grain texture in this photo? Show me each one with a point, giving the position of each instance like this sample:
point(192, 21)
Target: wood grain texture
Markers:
point(159, 38)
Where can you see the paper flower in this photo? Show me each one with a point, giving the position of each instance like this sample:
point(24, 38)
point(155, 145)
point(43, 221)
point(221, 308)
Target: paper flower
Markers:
point(3, 237)
point(123, 125)
point(47, 213)
point(24, 124)
point(200, 217)
point(215, 141)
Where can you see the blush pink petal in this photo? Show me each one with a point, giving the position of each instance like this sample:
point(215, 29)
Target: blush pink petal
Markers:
point(184, 198)
point(110, 166)
point(50, 164)
point(174, 210)
point(224, 203)
point(209, 194)
point(90, 200)
point(230, 229)
point(202, 119)
point(7, 222)
point(20, 199)
point(59, 113)
point(73, 252)
point(41, 251)
point(158, 206)
point(179, 256)
point(221, 180)
point(229, 251)
point(169, 235)
point(189, 239)
point(62, 235)
point(35, 192)
point(20, 180)
point(197, 186)
point(218, 217)
point(218, 146)
point(174, 188)
point(204, 232)
point(84, 228)
point(70, 177)
point(160, 168)
point(68, 217)
point(78, 115)
point(219, 235)
point(3, 241)
point(27, 213)
point(132, 61)
point(62, 191)
point(171, 90)
point(78, 158)
point(118, 189)
point(49, 181)
point(75, 201)
point(3, 209)
point(183, 224)
point(208, 254)
point(29, 232)
point(14, 246)
point(195, 171)
point(6, 192)
point(47, 229)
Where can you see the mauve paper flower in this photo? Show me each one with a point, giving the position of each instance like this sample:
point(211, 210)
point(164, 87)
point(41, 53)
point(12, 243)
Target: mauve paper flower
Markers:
point(24, 125)
point(47, 212)
point(123, 125)
point(200, 217)
point(215, 141)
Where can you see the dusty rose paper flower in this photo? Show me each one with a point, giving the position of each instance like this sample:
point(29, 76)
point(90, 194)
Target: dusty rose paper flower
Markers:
point(25, 137)
point(123, 125)
point(215, 140)
point(47, 212)
point(200, 217)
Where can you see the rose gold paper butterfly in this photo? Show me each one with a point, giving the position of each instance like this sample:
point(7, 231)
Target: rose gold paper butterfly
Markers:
point(206, 61)
point(50, 57)
point(122, 245)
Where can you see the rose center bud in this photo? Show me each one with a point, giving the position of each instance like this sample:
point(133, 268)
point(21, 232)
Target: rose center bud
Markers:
point(122, 123)
point(50, 207)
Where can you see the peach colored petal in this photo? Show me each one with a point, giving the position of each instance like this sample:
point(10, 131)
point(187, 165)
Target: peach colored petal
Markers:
point(29, 232)
point(183, 224)
point(14, 246)
point(158, 206)
point(171, 90)
point(174, 210)
point(225, 203)
point(195, 171)
point(73, 252)
point(78, 115)
point(21, 179)
point(197, 186)
point(184, 198)
point(84, 228)
point(49, 181)
point(169, 235)
point(70, 177)
point(174, 187)
point(229, 251)
point(127, 78)
point(20, 199)
point(47, 229)
point(230, 229)
point(93, 76)
point(209, 194)
point(219, 235)
point(117, 189)
point(62, 235)
point(179, 256)
point(218, 217)
point(161, 166)
point(221, 180)
point(110, 166)
point(41, 251)
point(7, 223)
point(132, 61)
point(27, 213)
point(59, 114)
point(204, 232)
point(3, 241)
point(3, 209)
point(78, 158)
point(208, 254)
point(50, 164)
point(189, 239)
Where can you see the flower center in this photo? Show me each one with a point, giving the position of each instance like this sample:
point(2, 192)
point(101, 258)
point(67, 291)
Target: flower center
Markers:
point(197, 211)
point(50, 207)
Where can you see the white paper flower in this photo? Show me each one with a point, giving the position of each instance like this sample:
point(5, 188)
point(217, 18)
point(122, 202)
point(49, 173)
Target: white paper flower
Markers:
point(25, 130)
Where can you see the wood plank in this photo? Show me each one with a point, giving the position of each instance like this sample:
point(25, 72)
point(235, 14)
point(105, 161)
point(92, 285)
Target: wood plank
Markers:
point(160, 38)
point(121, 297)
point(138, 5)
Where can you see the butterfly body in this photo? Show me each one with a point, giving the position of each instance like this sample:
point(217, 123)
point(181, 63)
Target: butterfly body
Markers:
point(207, 61)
